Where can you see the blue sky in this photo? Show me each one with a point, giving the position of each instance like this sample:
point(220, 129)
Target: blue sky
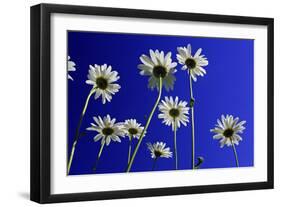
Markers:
point(226, 89)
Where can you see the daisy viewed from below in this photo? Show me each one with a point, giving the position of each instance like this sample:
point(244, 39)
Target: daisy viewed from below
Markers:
point(161, 70)
point(227, 130)
point(158, 150)
point(193, 64)
point(108, 131)
point(70, 67)
point(175, 113)
point(103, 80)
point(132, 130)
point(157, 66)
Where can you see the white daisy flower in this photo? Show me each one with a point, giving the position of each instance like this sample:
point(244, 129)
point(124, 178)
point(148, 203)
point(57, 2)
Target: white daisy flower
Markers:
point(158, 150)
point(102, 78)
point(70, 67)
point(173, 112)
point(156, 66)
point(107, 130)
point(132, 128)
point(193, 64)
point(227, 129)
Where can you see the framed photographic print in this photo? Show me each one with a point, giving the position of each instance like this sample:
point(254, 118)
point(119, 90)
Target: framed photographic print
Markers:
point(132, 103)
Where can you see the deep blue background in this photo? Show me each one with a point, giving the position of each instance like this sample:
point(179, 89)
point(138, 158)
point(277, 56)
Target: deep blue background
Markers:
point(226, 89)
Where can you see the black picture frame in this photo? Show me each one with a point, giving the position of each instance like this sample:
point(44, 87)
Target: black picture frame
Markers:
point(41, 96)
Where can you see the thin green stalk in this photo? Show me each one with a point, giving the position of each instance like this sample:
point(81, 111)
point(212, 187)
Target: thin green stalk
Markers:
point(235, 153)
point(192, 121)
point(146, 126)
point(71, 156)
point(175, 144)
point(98, 158)
point(154, 164)
point(130, 148)
point(78, 130)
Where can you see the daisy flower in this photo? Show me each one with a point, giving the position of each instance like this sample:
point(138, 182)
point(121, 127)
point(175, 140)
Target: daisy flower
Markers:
point(228, 129)
point(161, 70)
point(107, 130)
point(132, 128)
point(102, 78)
point(70, 67)
point(193, 64)
point(158, 150)
point(173, 112)
point(156, 66)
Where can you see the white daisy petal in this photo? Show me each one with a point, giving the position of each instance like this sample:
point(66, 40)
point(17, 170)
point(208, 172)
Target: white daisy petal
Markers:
point(198, 52)
point(69, 77)
point(97, 137)
point(70, 67)
point(146, 60)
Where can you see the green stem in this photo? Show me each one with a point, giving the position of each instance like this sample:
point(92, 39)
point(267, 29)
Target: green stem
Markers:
point(175, 144)
point(78, 130)
point(71, 156)
point(154, 164)
point(192, 121)
point(235, 153)
point(130, 148)
point(146, 126)
point(98, 158)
